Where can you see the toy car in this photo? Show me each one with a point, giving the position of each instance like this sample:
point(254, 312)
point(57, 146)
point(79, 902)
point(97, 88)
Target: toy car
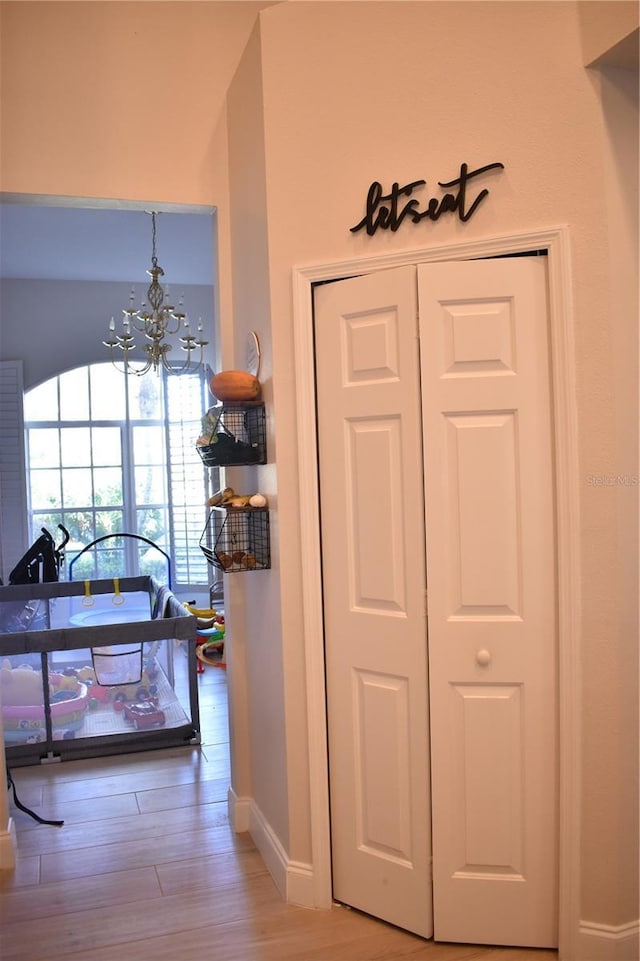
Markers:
point(144, 714)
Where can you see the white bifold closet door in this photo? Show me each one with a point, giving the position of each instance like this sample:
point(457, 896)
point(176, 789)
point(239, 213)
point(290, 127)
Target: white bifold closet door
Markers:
point(439, 589)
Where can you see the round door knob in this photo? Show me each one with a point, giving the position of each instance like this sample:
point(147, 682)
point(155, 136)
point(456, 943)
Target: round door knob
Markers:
point(483, 658)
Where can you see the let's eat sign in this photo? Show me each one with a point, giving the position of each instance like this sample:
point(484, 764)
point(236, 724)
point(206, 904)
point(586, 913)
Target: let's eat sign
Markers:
point(387, 211)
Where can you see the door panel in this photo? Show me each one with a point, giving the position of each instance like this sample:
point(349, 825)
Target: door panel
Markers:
point(380, 715)
point(372, 472)
point(373, 581)
point(490, 568)
point(486, 741)
point(480, 451)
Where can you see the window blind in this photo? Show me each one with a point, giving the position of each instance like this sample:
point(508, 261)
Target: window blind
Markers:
point(13, 485)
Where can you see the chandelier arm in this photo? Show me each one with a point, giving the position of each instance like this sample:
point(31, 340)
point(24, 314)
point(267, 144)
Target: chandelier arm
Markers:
point(137, 321)
point(179, 320)
point(182, 368)
point(125, 366)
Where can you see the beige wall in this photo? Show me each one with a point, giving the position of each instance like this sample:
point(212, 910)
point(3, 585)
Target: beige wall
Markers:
point(610, 510)
point(329, 97)
point(257, 599)
point(399, 92)
point(609, 30)
point(119, 100)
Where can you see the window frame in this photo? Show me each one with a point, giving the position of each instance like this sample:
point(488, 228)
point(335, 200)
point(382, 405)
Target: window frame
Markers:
point(185, 514)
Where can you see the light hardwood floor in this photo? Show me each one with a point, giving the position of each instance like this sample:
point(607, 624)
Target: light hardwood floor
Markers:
point(146, 868)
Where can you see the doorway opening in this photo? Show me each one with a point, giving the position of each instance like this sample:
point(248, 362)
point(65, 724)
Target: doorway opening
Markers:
point(67, 266)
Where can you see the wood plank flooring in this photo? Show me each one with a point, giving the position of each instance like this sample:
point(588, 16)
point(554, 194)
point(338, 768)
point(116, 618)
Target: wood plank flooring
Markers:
point(147, 868)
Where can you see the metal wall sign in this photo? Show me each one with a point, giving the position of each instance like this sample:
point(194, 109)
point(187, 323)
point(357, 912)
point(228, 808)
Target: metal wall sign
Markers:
point(387, 211)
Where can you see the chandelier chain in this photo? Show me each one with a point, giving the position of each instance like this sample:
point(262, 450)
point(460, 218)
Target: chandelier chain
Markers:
point(154, 259)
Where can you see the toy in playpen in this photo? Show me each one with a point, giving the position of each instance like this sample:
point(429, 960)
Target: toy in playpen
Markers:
point(210, 636)
point(23, 704)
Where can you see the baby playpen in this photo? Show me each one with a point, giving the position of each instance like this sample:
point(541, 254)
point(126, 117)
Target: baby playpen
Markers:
point(95, 667)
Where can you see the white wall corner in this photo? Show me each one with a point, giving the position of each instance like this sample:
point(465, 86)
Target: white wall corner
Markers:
point(8, 837)
point(239, 810)
point(8, 847)
point(605, 942)
point(301, 884)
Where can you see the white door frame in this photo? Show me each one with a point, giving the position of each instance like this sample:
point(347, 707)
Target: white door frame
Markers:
point(556, 241)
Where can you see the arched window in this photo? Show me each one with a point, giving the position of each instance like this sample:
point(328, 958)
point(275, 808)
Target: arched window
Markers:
point(107, 453)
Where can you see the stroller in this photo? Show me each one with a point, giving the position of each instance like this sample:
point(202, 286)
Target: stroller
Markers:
point(42, 562)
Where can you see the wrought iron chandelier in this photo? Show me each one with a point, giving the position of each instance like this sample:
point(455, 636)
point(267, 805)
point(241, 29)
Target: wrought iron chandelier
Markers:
point(155, 320)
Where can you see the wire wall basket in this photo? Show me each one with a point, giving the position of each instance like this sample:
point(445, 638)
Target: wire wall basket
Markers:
point(240, 437)
point(237, 539)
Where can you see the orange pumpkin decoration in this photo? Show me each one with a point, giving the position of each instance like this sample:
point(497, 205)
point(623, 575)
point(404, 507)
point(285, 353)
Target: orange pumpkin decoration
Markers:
point(235, 385)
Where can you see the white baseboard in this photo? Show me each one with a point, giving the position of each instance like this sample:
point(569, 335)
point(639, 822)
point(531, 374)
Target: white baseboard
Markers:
point(239, 809)
point(605, 942)
point(270, 847)
point(293, 879)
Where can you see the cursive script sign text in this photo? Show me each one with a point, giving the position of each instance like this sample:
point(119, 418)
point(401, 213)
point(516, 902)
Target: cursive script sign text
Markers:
point(387, 211)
